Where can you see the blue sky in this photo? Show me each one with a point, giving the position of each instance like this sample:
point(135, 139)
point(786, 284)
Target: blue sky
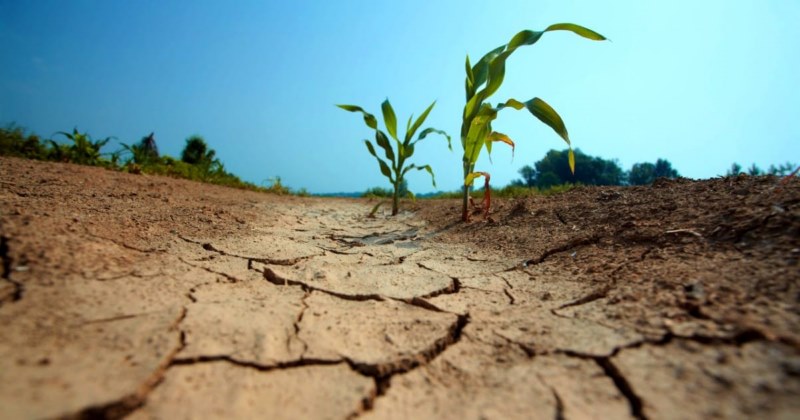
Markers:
point(700, 83)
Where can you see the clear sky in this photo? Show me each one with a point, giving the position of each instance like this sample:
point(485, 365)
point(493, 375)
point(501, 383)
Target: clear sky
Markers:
point(700, 83)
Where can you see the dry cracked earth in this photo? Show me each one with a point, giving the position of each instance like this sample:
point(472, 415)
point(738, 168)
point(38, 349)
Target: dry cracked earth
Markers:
point(145, 297)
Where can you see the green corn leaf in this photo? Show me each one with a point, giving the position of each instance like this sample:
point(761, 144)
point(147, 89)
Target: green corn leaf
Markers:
point(529, 37)
point(495, 136)
point(430, 171)
point(471, 108)
point(512, 103)
point(577, 29)
point(421, 168)
point(526, 37)
point(375, 209)
point(470, 76)
point(481, 69)
point(408, 124)
point(546, 114)
point(389, 118)
point(430, 130)
point(476, 138)
point(385, 170)
point(408, 151)
point(471, 178)
point(571, 161)
point(418, 123)
point(497, 73)
point(469, 83)
point(369, 119)
point(383, 142)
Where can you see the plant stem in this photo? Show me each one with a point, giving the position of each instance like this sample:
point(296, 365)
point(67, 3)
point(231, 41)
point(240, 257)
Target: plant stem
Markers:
point(396, 197)
point(465, 201)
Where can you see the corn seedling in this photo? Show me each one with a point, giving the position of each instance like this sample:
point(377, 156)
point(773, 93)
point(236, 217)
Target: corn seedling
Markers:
point(476, 126)
point(83, 149)
point(396, 170)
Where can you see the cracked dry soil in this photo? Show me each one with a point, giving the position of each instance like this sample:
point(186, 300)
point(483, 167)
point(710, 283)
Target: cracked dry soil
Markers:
point(147, 297)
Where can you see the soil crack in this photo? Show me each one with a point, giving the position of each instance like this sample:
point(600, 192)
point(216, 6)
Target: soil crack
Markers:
point(575, 243)
point(272, 261)
point(302, 362)
point(129, 403)
point(591, 297)
point(229, 277)
point(511, 300)
point(277, 280)
point(383, 373)
point(297, 322)
point(622, 385)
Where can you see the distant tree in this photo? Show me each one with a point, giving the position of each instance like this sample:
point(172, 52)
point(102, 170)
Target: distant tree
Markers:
point(735, 169)
point(377, 192)
point(645, 173)
point(196, 152)
point(782, 170)
point(528, 174)
point(553, 169)
point(754, 170)
point(149, 147)
point(663, 169)
point(642, 174)
point(402, 190)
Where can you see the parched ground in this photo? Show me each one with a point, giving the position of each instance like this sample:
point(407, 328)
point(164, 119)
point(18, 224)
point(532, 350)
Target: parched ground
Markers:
point(148, 297)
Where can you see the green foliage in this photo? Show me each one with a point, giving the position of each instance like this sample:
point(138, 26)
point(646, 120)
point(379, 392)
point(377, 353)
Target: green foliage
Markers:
point(142, 157)
point(395, 170)
point(528, 175)
point(645, 173)
point(276, 187)
point(14, 142)
point(509, 191)
point(553, 170)
point(550, 171)
point(785, 169)
point(780, 170)
point(380, 192)
point(642, 174)
point(143, 153)
point(377, 192)
point(83, 150)
point(482, 81)
point(196, 152)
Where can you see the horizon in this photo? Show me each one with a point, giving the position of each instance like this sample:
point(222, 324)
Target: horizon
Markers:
point(259, 81)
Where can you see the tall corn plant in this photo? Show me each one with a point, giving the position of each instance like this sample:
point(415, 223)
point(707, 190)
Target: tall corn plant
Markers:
point(482, 81)
point(396, 169)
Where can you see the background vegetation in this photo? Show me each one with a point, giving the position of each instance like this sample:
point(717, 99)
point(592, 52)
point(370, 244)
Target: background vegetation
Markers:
point(198, 162)
point(550, 175)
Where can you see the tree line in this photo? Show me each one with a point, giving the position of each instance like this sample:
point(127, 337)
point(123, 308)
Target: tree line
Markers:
point(553, 170)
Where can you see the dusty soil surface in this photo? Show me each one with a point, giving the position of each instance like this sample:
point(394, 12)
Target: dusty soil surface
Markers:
point(148, 297)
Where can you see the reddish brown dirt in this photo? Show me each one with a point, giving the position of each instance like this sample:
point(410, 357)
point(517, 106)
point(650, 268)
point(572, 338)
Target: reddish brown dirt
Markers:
point(724, 251)
point(131, 295)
